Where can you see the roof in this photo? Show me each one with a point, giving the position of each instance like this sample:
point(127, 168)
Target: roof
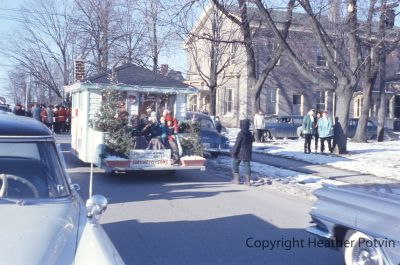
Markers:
point(131, 74)
point(202, 115)
point(13, 125)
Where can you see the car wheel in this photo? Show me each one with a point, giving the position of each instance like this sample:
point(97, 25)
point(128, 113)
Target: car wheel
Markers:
point(361, 250)
point(266, 136)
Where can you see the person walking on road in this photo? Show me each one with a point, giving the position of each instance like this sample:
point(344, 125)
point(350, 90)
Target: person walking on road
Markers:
point(307, 130)
point(241, 151)
point(258, 125)
point(325, 131)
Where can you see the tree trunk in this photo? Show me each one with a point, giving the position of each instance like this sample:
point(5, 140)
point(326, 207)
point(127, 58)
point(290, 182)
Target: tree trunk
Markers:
point(343, 99)
point(361, 132)
point(213, 101)
point(155, 48)
point(256, 101)
point(382, 99)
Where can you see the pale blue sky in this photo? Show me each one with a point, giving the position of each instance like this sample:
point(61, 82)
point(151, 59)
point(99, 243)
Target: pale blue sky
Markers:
point(9, 24)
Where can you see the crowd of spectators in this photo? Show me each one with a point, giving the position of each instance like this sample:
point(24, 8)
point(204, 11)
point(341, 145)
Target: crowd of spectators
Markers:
point(57, 118)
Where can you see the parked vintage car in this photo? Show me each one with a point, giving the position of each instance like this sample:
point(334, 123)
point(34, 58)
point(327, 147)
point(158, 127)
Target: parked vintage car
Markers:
point(352, 127)
point(364, 220)
point(43, 220)
point(4, 108)
point(213, 142)
point(281, 127)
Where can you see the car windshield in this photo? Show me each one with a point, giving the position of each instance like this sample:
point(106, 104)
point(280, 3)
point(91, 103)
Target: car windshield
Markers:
point(203, 121)
point(31, 170)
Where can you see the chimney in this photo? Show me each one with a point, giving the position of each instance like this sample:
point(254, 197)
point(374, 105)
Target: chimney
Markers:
point(164, 69)
point(79, 69)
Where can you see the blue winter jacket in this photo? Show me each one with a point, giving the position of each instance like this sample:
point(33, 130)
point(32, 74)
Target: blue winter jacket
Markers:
point(325, 127)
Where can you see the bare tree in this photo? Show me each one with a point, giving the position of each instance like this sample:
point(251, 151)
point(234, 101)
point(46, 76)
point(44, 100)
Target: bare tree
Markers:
point(157, 15)
point(44, 47)
point(97, 24)
point(131, 46)
point(209, 47)
point(18, 86)
point(255, 82)
point(343, 64)
point(377, 45)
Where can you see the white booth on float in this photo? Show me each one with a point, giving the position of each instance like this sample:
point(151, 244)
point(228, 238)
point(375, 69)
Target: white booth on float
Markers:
point(143, 92)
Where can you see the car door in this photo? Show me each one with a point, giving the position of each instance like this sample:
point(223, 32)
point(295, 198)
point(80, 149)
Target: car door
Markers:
point(285, 127)
point(297, 122)
point(351, 128)
point(280, 127)
point(371, 130)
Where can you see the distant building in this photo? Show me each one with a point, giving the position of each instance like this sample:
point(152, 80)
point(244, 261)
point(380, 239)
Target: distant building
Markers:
point(286, 91)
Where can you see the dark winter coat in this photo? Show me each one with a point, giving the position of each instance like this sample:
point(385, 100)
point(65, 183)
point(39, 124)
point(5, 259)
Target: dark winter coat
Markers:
point(218, 126)
point(244, 142)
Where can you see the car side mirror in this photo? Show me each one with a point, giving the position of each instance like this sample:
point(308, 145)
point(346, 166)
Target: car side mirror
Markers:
point(96, 205)
point(75, 186)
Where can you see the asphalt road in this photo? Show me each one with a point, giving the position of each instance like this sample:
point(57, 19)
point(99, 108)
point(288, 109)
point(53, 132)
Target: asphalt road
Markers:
point(200, 218)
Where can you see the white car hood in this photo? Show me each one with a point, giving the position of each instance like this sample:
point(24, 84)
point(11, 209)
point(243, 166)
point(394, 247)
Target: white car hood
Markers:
point(41, 234)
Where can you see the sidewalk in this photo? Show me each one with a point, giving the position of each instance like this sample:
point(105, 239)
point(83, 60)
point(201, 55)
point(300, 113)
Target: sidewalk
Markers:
point(346, 176)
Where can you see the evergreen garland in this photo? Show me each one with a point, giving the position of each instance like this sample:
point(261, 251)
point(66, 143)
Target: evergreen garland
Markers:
point(190, 139)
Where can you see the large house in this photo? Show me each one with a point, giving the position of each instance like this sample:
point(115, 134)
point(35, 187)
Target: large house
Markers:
point(286, 91)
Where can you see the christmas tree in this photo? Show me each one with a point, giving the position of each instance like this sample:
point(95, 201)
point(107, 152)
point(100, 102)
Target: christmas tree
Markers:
point(118, 138)
point(190, 139)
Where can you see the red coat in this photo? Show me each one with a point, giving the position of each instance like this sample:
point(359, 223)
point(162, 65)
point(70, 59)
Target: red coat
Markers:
point(62, 115)
point(43, 115)
point(174, 122)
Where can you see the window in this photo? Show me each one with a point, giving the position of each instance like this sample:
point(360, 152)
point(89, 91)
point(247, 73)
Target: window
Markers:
point(370, 124)
point(297, 108)
point(232, 53)
point(321, 62)
point(296, 99)
point(353, 123)
point(357, 107)
point(225, 97)
point(228, 100)
point(387, 107)
point(271, 101)
point(321, 101)
point(193, 103)
point(207, 124)
point(272, 48)
point(397, 106)
point(36, 163)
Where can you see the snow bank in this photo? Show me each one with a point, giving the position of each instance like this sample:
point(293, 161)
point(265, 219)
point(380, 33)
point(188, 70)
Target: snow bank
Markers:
point(378, 158)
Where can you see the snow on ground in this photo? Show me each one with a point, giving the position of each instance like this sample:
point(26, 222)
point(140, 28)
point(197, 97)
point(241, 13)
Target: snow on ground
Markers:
point(377, 158)
point(285, 180)
point(380, 159)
